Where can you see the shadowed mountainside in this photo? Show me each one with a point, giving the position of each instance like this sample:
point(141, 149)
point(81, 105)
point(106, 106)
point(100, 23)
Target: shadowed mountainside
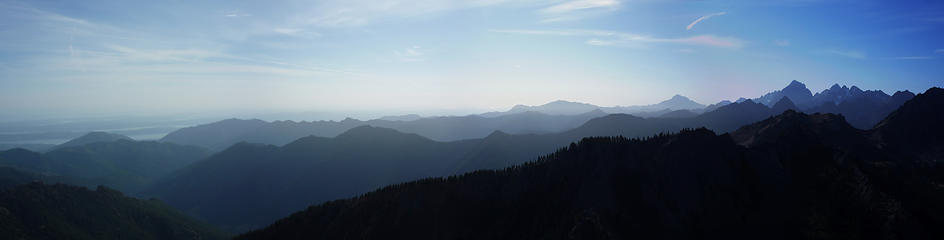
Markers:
point(40, 211)
point(92, 137)
point(787, 177)
point(249, 185)
point(863, 109)
point(123, 164)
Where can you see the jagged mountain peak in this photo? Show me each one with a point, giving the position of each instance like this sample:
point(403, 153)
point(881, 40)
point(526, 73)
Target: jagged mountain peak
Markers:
point(679, 102)
point(797, 91)
point(855, 89)
point(836, 87)
point(795, 85)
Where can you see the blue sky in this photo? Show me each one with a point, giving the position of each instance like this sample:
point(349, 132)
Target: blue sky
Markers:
point(448, 57)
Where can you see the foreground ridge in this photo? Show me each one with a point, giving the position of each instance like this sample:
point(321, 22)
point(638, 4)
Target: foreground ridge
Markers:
point(790, 176)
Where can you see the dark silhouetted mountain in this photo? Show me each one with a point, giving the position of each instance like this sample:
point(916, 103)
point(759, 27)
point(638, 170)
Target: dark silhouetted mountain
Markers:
point(790, 176)
point(915, 128)
point(679, 114)
point(863, 109)
point(215, 136)
point(715, 106)
point(823, 129)
point(248, 185)
point(258, 188)
point(36, 147)
point(729, 117)
point(40, 211)
point(10, 177)
point(796, 91)
point(783, 105)
point(22, 159)
point(122, 164)
point(837, 95)
point(92, 137)
point(516, 149)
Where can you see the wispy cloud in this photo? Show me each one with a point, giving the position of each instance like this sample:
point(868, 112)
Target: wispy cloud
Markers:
point(354, 13)
point(164, 55)
point(576, 10)
point(117, 59)
point(236, 15)
point(843, 53)
point(553, 32)
point(580, 5)
point(782, 42)
point(939, 51)
point(411, 54)
point(609, 38)
point(703, 18)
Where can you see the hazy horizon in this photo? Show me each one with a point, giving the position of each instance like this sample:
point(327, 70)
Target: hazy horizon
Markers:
point(76, 59)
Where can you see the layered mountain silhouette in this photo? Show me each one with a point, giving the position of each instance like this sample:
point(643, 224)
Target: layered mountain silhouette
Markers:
point(93, 137)
point(40, 211)
point(561, 107)
point(249, 185)
point(790, 164)
point(36, 147)
point(220, 135)
point(679, 114)
point(862, 109)
point(796, 91)
point(677, 102)
point(123, 164)
point(407, 117)
point(790, 176)
point(10, 177)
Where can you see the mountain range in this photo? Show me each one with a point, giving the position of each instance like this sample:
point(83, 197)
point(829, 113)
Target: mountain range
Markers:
point(561, 107)
point(246, 174)
point(92, 137)
point(220, 135)
point(790, 176)
point(108, 159)
point(262, 182)
point(862, 109)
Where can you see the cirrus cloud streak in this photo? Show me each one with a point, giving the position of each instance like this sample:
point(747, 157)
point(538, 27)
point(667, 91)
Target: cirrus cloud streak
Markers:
point(703, 18)
point(610, 38)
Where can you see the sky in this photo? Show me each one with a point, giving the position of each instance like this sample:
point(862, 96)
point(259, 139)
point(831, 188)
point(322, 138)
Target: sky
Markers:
point(83, 58)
